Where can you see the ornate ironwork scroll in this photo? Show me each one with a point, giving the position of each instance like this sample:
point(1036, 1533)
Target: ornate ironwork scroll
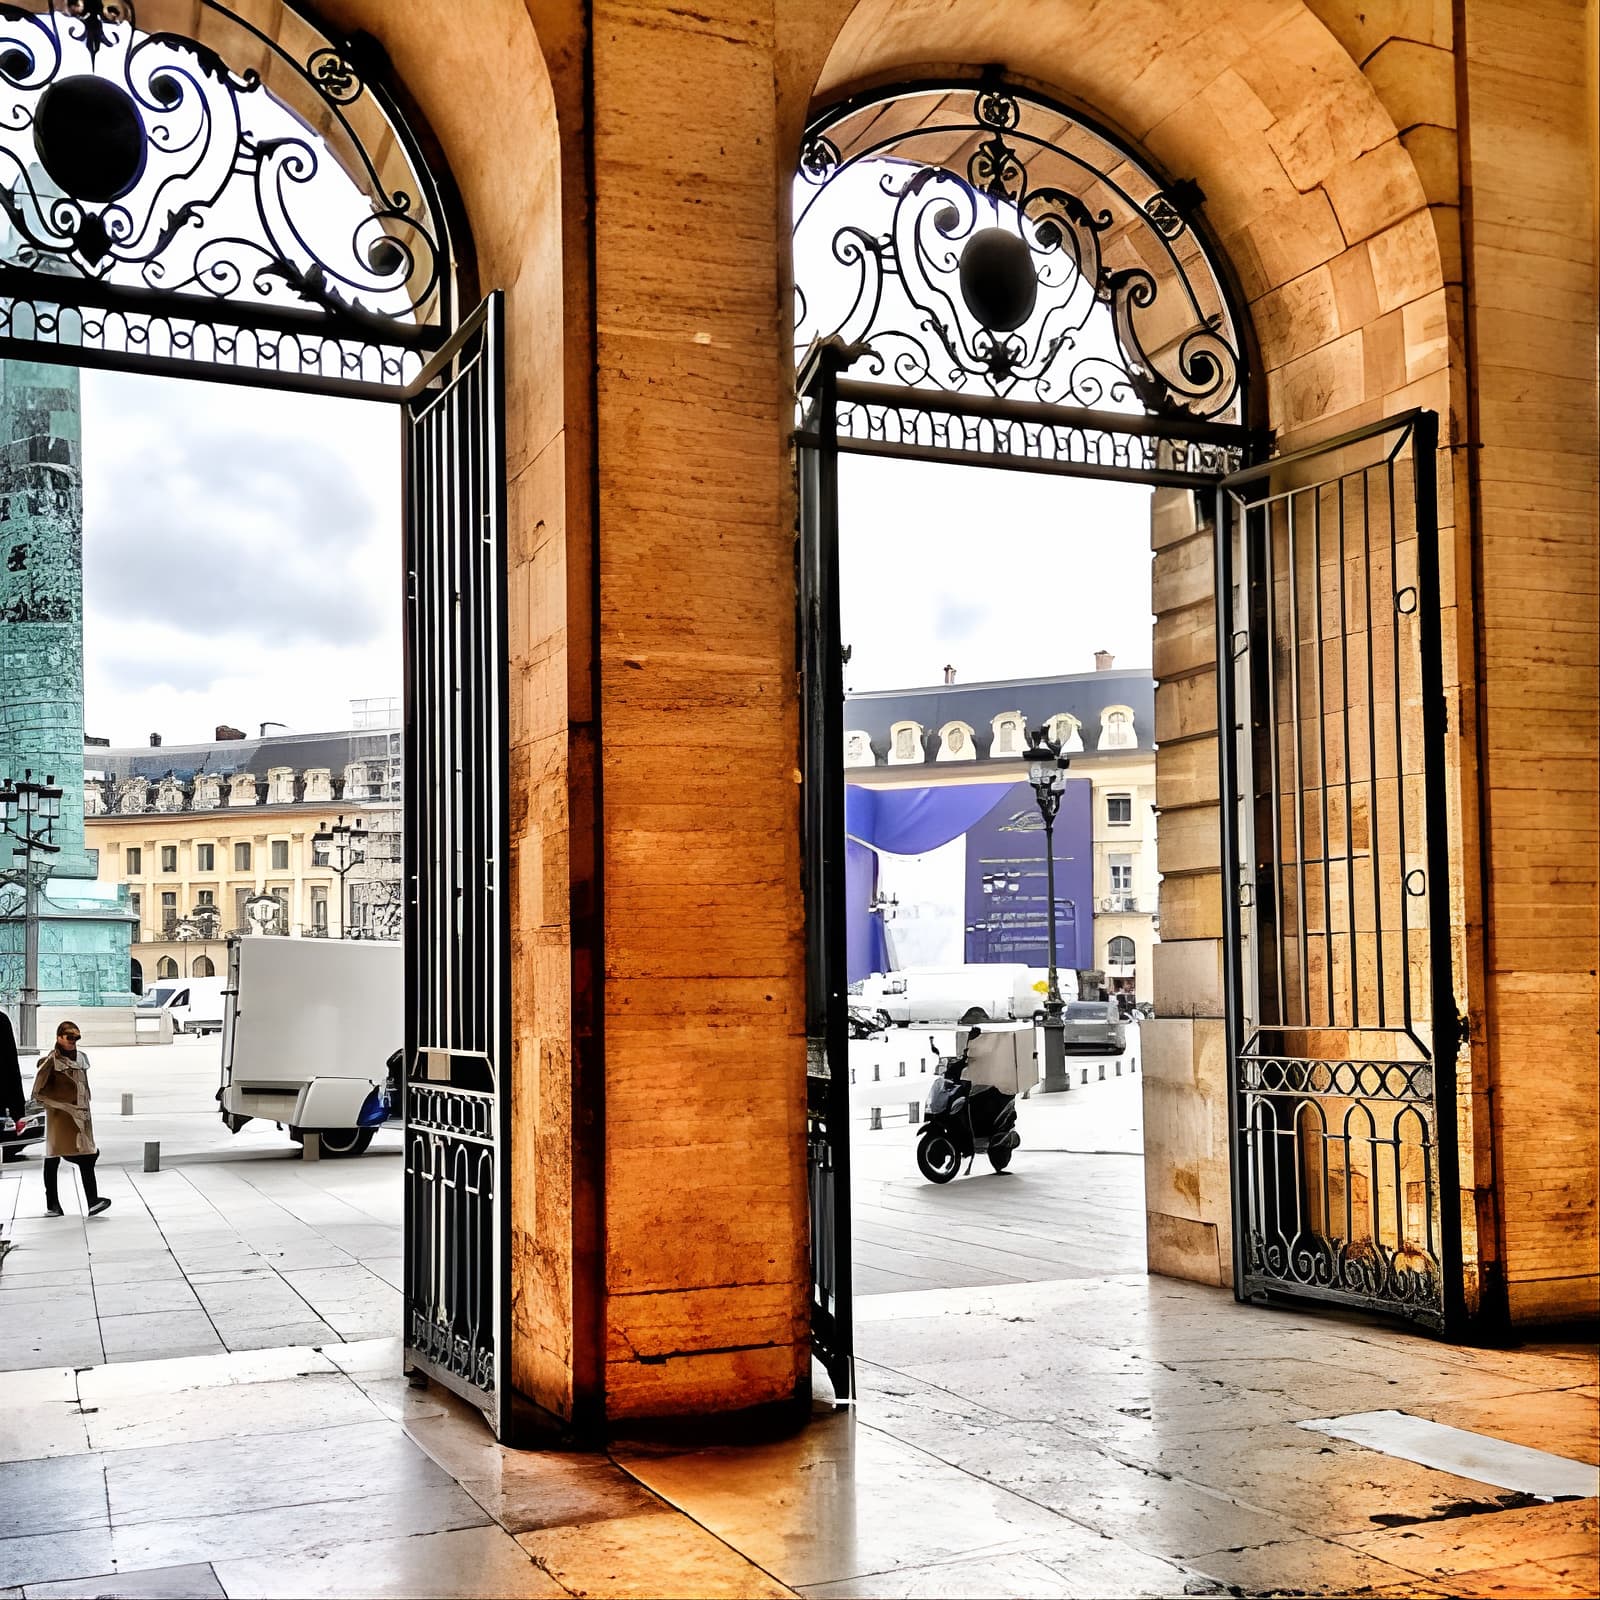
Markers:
point(979, 240)
point(167, 207)
point(1340, 975)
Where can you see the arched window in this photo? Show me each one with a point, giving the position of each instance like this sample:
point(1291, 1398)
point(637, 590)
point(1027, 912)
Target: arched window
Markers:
point(203, 967)
point(166, 967)
point(1120, 952)
point(1067, 732)
point(905, 744)
point(1010, 737)
point(858, 749)
point(1116, 729)
point(955, 742)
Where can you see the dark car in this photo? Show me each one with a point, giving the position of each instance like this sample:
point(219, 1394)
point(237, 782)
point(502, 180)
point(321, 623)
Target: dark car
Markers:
point(15, 1137)
point(1094, 1025)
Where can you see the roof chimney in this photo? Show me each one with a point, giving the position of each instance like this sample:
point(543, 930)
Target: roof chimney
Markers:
point(1103, 660)
point(225, 732)
point(155, 741)
point(949, 674)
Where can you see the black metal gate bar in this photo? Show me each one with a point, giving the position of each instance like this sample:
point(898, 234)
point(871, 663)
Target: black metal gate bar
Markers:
point(1342, 1111)
point(822, 769)
point(457, 1279)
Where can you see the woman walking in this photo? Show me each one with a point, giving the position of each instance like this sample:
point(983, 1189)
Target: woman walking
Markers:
point(62, 1088)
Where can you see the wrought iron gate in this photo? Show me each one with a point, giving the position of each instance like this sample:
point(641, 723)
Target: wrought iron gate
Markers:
point(1341, 1002)
point(457, 1280)
point(821, 669)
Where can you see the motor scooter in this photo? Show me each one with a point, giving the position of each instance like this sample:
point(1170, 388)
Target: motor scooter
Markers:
point(972, 1106)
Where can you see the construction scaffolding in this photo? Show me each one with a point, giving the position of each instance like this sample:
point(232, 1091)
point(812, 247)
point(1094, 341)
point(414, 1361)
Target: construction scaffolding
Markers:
point(375, 789)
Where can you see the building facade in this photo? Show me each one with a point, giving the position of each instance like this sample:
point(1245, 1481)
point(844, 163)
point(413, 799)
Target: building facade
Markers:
point(195, 833)
point(964, 734)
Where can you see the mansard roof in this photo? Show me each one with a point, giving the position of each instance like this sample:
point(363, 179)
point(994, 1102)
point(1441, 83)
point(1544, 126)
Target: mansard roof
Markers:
point(301, 751)
point(1083, 695)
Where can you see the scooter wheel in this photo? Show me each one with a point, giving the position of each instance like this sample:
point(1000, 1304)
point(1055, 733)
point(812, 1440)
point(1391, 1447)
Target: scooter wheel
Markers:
point(937, 1157)
point(1000, 1159)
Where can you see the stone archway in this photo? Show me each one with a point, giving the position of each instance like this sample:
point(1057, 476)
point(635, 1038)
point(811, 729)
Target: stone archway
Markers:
point(1324, 215)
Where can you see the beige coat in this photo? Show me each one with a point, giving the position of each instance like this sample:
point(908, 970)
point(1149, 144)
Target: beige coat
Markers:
point(61, 1086)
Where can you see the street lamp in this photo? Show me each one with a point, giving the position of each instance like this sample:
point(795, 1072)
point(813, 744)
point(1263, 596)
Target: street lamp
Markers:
point(345, 844)
point(29, 812)
point(1047, 772)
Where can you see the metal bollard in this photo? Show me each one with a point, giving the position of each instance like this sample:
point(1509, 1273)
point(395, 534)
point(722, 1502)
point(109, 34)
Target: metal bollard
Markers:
point(877, 1073)
point(311, 1149)
point(914, 1110)
point(127, 1105)
point(1119, 1066)
point(902, 1069)
point(876, 1125)
point(1102, 1072)
point(1085, 1077)
point(152, 1155)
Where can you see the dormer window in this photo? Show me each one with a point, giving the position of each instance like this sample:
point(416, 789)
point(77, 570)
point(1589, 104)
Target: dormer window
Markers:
point(905, 744)
point(1116, 729)
point(955, 742)
point(858, 749)
point(1010, 737)
point(1067, 732)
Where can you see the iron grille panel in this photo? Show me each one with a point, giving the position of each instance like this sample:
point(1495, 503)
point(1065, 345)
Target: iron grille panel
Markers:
point(457, 1261)
point(1341, 997)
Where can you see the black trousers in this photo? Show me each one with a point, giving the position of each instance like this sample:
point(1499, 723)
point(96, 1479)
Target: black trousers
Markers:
point(85, 1166)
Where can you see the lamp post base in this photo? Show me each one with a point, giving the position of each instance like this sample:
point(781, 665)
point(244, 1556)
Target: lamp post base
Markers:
point(1056, 1079)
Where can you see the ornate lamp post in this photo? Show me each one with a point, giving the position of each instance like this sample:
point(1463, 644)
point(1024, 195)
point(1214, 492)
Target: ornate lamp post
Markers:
point(1047, 772)
point(28, 813)
point(346, 846)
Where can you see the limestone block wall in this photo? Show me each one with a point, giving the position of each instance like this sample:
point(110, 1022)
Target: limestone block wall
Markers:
point(1529, 86)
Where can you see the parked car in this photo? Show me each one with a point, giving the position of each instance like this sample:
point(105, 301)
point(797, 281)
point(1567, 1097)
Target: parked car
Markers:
point(941, 996)
point(16, 1136)
point(1094, 1025)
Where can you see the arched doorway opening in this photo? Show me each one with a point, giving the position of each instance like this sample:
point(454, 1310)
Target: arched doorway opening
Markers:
point(202, 967)
point(998, 284)
point(247, 203)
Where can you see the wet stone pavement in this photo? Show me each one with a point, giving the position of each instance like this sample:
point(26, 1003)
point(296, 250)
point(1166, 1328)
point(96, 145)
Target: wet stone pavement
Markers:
point(205, 1399)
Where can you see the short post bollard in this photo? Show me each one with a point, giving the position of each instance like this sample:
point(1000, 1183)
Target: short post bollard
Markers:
point(152, 1155)
point(1102, 1071)
point(127, 1105)
point(876, 1124)
point(311, 1149)
point(914, 1110)
point(1085, 1075)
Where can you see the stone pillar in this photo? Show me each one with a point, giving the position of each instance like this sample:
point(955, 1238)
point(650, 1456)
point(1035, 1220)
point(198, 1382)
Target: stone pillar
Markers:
point(1188, 1200)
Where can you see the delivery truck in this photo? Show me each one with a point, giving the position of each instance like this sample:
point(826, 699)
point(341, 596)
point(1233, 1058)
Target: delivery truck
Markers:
point(312, 1037)
point(196, 1005)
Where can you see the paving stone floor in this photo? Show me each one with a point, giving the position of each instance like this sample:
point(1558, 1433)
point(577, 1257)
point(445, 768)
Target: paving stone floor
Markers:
point(205, 1400)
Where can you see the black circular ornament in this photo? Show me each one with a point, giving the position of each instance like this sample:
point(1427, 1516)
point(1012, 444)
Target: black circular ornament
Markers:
point(998, 280)
point(90, 138)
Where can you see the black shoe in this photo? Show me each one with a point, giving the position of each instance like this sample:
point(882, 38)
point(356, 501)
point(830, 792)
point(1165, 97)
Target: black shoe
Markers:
point(100, 1205)
point(54, 1211)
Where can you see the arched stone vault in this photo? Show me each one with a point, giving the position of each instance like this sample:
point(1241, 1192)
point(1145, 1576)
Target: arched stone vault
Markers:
point(625, 171)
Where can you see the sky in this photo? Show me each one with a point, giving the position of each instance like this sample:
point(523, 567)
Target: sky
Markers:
point(242, 557)
point(998, 574)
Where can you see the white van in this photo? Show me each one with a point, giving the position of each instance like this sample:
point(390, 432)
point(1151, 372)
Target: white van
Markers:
point(941, 996)
point(312, 1026)
point(196, 1005)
